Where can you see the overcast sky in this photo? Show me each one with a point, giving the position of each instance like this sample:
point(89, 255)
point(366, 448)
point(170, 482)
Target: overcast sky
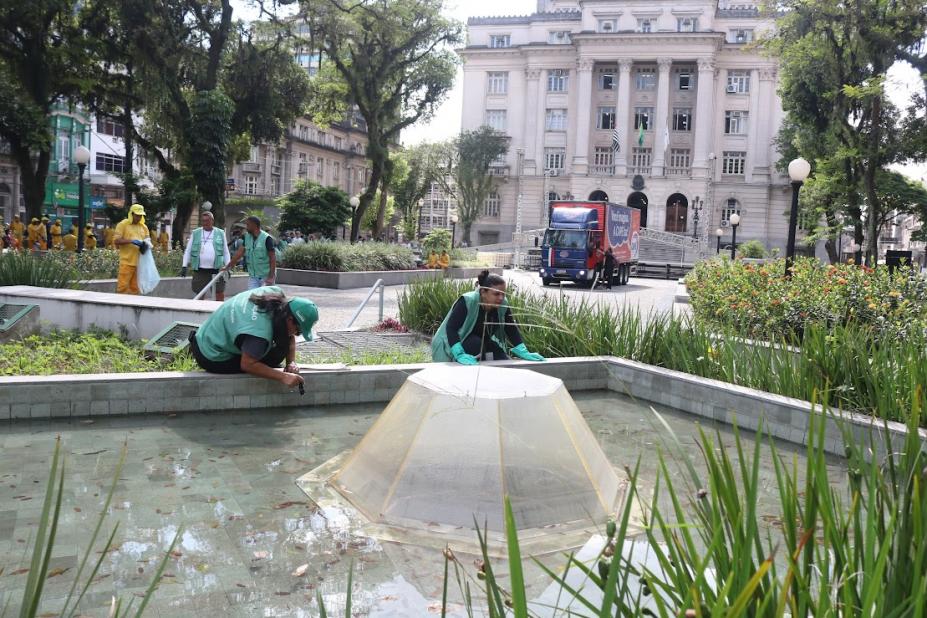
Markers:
point(903, 80)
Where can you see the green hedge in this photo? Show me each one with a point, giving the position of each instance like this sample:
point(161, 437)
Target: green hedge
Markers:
point(104, 263)
point(345, 257)
point(758, 301)
point(852, 365)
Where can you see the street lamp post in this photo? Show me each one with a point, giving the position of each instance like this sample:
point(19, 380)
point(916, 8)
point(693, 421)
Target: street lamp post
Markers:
point(453, 228)
point(735, 221)
point(697, 205)
point(719, 233)
point(82, 157)
point(798, 171)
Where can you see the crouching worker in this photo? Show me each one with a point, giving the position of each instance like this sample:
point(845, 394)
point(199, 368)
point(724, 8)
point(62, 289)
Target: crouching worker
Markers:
point(254, 332)
point(478, 327)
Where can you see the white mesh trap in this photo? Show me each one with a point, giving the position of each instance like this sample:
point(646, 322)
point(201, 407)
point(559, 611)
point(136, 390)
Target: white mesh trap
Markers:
point(455, 440)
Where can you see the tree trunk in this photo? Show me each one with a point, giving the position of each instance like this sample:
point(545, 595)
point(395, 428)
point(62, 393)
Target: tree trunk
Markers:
point(466, 235)
point(128, 129)
point(381, 214)
point(833, 253)
point(874, 212)
point(33, 174)
point(377, 156)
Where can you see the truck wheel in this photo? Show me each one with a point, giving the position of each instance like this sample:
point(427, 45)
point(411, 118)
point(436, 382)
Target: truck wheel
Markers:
point(546, 282)
point(626, 274)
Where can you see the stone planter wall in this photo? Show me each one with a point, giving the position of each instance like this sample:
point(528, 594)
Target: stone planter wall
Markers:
point(365, 279)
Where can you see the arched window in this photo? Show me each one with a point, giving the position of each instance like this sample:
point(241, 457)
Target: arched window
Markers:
point(730, 207)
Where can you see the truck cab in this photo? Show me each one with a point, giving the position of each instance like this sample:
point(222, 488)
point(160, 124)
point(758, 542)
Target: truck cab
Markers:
point(579, 234)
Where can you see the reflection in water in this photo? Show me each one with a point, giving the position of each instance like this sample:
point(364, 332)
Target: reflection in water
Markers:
point(228, 480)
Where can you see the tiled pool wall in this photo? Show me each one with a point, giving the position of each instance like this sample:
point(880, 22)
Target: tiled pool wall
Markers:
point(44, 397)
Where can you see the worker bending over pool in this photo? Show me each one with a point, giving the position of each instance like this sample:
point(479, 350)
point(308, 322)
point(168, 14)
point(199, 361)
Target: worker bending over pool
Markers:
point(479, 326)
point(254, 332)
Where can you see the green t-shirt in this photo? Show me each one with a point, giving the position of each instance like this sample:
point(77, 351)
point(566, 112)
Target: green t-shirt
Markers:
point(237, 316)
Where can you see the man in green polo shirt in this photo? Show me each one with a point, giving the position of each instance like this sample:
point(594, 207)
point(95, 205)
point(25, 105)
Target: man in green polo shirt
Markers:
point(259, 254)
point(254, 333)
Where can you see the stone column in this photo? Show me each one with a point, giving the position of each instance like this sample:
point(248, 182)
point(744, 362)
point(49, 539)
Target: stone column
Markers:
point(541, 114)
point(623, 115)
point(761, 123)
point(583, 116)
point(662, 121)
point(530, 130)
point(753, 121)
point(704, 115)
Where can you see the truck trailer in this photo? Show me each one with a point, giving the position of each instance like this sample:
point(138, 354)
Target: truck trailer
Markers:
point(578, 235)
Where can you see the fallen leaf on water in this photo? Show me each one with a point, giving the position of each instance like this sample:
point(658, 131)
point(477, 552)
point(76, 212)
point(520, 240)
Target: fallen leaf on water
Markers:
point(260, 555)
point(57, 572)
point(389, 597)
point(176, 554)
point(435, 608)
point(241, 585)
point(299, 547)
point(282, 594)
point(301, 570)
point(77, 509)
point(19, 571)
point(288, 504)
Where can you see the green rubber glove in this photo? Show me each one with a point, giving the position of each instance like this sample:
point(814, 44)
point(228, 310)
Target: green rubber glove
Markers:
point(522, 352)
point(462, 357)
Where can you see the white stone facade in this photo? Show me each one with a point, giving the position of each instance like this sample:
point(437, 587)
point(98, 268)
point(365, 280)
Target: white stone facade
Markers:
point(560, 82)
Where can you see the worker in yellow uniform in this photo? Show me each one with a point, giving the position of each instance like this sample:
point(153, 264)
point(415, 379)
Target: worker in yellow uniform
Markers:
point(164, 241)
point(47, 224)
point(69, 241)
point(36, 235)
point(154, 236)
point(131, 234)
point(56, 232)
point(17, 229)
point(109, 236)
point(90, 239)
point(432, 260)
point(444, 260)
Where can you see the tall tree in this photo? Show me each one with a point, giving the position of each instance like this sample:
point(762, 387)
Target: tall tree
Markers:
point(207, 80)
point(834, 57)
point(416, 168)
point(468, 166)
point(313, 208)
point(390, 59)
point(48, 55)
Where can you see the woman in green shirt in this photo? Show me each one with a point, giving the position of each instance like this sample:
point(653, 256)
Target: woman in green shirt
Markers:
point(254, 333)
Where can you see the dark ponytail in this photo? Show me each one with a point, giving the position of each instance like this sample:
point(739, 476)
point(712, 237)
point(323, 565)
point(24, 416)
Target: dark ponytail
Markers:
point(276, 305)
point(487, 279)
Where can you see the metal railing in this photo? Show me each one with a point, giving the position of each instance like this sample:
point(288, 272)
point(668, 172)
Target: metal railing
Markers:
point(212, 283)
point(378, 285)
point(603, 170)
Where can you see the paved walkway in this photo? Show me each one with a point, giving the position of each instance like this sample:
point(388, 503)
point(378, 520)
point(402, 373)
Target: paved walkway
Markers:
point(337, 306)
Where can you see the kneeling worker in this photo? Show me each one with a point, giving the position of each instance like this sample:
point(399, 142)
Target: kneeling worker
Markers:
point(478, 326)
point(253, 333)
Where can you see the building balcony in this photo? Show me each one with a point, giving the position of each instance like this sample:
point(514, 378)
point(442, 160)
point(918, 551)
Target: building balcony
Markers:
point(499, 170)
point(251, 167)
point(678, 171)
point(642, 170)
point(275, 169)
point(602, 170)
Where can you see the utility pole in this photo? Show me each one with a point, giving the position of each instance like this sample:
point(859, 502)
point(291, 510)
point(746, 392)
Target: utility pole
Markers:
point(520, 157)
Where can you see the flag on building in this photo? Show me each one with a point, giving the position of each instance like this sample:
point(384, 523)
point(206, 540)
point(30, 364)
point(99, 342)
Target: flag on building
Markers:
point(640, 134)
point(616, 141)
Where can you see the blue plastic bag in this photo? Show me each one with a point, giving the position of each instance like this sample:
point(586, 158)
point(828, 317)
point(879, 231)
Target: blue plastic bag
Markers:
point(148, 277)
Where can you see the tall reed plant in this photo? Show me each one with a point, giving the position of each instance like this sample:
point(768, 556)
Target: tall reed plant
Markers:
point(856, 369)
point(18, 268)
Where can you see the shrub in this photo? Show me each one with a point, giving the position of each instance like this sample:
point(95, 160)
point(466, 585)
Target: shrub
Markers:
point(316, 255)
point(438, 240)
point(858, 371)
point(752, 249)
point(104, 263)
point(25, 269)
point(759, 302)
point(345, 257)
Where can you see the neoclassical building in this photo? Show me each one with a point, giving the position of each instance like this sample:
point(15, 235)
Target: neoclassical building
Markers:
point(677, 86)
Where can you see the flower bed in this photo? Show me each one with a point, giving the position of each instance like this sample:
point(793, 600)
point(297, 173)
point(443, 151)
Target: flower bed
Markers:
point(345, 257)
point(104, 263)
point(758, 301)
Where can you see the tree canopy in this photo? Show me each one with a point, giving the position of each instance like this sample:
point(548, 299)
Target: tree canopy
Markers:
point(468, 164)
point(389, 58)
point(313, 208)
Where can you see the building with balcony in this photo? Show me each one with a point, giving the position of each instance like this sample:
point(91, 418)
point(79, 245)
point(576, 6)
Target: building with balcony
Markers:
point(334, 156)
point(650, 104)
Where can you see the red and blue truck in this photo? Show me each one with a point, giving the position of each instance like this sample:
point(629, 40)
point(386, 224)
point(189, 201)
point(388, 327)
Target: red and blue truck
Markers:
point(578, 235)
